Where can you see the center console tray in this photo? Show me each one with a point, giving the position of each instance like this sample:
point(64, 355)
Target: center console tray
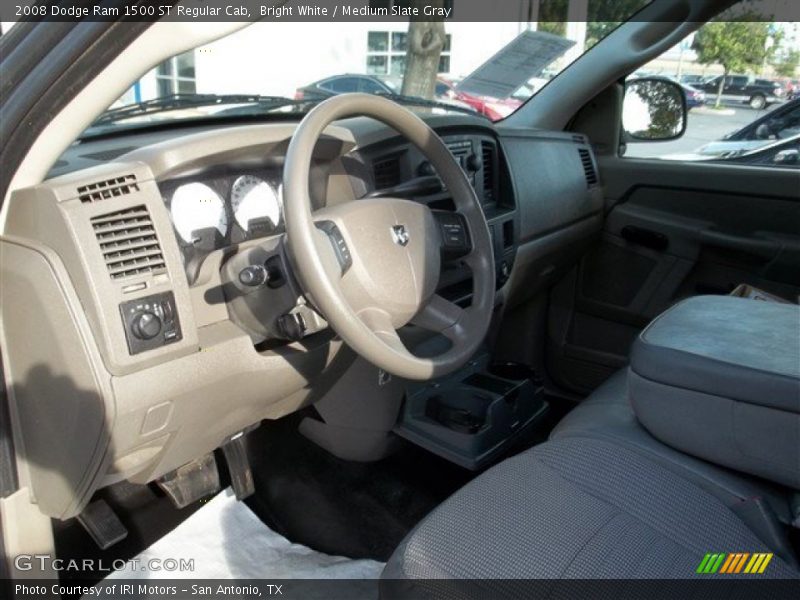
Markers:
point(470, 417)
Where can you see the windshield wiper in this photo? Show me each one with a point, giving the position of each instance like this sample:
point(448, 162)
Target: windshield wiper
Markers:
point(180, 101)
point(417, 101)
point(249, 105)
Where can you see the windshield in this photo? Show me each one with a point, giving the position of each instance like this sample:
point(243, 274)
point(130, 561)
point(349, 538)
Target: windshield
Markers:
point(274, 68)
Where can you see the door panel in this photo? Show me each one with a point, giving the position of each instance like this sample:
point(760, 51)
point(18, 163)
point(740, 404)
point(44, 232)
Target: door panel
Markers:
point(672, 230)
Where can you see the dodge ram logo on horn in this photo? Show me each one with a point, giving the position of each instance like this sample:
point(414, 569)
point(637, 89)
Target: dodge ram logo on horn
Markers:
point(400, 235)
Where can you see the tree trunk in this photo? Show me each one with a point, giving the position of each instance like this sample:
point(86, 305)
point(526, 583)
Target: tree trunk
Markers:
point(425, 42)
point(718, 103)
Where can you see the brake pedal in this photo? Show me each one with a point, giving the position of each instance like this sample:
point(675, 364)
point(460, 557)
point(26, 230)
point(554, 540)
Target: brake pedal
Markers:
point(239, 467)
point(192, 481)
point(102, 524)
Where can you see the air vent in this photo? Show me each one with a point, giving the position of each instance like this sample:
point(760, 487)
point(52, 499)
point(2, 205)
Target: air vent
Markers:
point(578, 139)
point(109, 188)
point(588, 167)
point(128, 242)
point(488, 159)
point(386, 172)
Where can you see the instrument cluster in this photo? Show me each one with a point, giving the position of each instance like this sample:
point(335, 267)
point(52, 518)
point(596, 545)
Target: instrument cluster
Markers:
point(222, 208)
point(217, 211)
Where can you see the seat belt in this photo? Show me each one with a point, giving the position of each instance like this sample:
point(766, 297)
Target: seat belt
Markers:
point(759, 516)
point(795, 507)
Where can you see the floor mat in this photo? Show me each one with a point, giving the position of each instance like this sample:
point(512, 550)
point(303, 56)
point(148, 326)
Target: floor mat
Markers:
point(362, 510)
point(227, 540)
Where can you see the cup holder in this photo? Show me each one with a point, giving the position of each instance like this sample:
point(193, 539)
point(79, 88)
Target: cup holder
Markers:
point(461, 410)
point(514, 371)
point(472, 416)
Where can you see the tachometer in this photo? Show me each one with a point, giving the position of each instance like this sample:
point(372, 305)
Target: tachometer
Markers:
point(195, 207)
point(256, 203)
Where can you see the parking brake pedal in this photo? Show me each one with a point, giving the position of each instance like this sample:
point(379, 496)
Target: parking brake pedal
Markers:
point(192, 481)
point(101, 522)
point(239, 467)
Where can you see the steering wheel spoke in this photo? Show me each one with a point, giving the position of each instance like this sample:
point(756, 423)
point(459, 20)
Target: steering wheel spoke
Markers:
point(379, 322)
point(339, 246)
point(442, 316)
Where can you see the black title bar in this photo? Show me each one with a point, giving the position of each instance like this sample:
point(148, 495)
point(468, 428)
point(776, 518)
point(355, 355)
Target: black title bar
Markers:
point(360, 10)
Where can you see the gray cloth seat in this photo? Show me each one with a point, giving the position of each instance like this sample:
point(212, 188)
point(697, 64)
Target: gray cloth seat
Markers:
point(602, 499)
point(608, 414)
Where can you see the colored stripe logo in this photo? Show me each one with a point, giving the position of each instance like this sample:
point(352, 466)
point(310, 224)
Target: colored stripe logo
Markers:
point(732, 563)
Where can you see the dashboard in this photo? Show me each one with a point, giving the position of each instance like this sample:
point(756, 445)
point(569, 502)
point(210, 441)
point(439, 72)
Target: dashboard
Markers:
point(138, 242)
point(224, 205)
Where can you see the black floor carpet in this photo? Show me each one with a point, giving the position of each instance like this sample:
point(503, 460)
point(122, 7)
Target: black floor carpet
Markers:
point(360, 510)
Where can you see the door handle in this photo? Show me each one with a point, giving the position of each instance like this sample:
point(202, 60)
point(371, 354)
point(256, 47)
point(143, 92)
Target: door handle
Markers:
point(758, 247)
point(645, 237)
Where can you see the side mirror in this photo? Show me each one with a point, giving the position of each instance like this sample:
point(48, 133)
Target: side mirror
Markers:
point(790, 156)
point(653, 110)
point(763, 132)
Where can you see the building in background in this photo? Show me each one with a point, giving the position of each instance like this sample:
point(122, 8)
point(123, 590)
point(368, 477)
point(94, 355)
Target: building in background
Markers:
point(317, 50)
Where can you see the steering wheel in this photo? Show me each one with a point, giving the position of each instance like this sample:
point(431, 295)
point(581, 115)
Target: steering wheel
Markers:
point(372, 265)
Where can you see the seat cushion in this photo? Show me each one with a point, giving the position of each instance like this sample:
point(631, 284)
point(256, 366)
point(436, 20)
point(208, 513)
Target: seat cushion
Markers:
point(725, 346)
point(574, 507)
point(718, 377)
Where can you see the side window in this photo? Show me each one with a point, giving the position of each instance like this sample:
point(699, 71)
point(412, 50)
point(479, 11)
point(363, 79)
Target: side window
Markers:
point(326, 85)
point(341, 85)
point(368, 86)
point(753, 119)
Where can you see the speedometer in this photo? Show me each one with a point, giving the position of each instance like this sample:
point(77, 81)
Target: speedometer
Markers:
point(255, 203)
point(195, 207)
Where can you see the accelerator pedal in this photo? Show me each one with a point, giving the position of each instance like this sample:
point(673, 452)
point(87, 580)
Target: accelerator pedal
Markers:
point(239, 467)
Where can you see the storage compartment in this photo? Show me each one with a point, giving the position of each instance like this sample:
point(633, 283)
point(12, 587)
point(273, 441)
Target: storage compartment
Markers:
point(470, 417)
point(719, 377)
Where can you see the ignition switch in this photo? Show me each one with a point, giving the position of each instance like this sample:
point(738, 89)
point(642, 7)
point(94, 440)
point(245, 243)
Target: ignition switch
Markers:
point(254, 276)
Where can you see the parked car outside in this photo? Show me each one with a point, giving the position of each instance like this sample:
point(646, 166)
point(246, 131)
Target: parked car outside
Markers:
point(341, 84)
point(742, 89)
point(694, 97)
point(692, 79)
point(770, 131)
point(792, 87)
point(782, 153)
point(494, 108)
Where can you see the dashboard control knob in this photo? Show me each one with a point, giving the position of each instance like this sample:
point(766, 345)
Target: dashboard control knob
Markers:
point(474, 162)
point(426, 169)
point(503, 273)
point(146, 325)
point(292, 326)
point(253, 276)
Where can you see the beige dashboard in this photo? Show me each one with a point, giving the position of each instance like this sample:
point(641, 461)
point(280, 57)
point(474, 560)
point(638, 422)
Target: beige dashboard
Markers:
point(97, 397)
point(84, 255)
